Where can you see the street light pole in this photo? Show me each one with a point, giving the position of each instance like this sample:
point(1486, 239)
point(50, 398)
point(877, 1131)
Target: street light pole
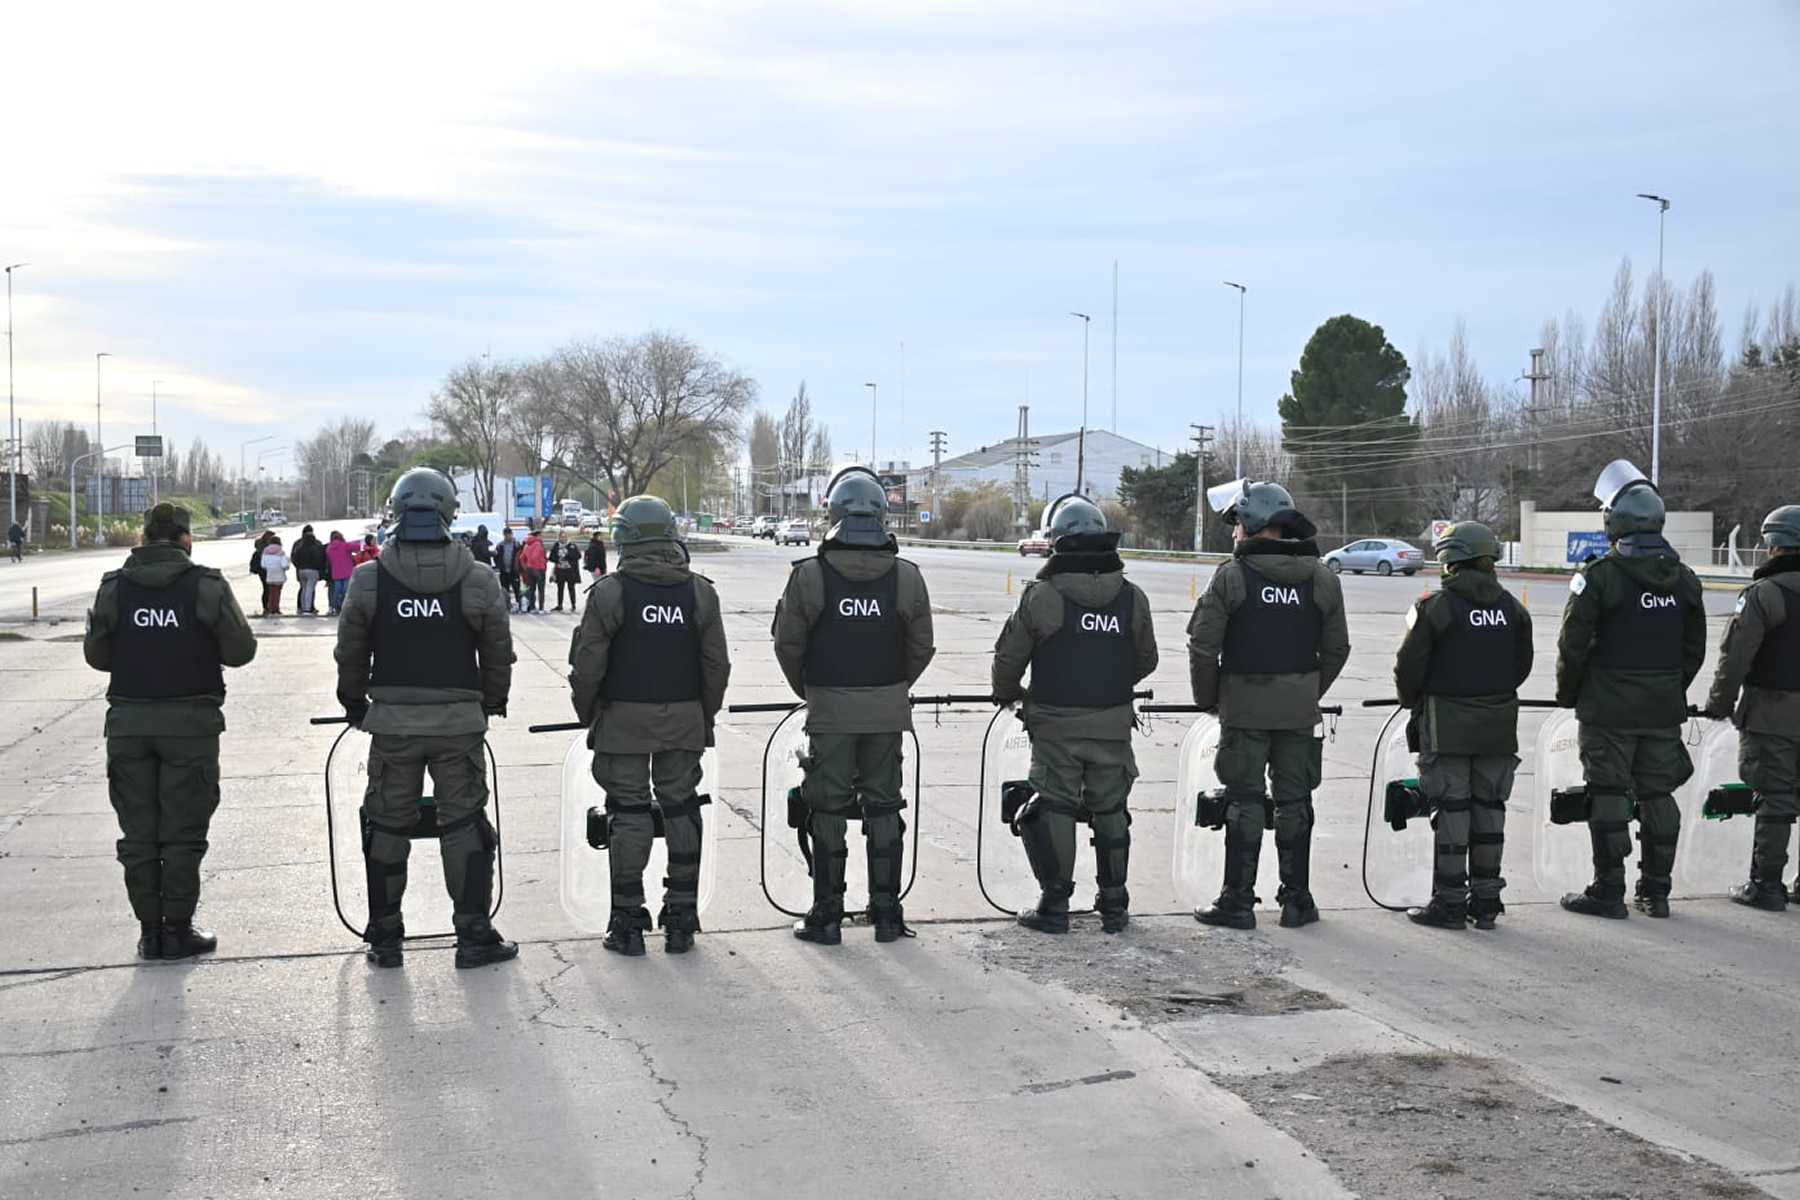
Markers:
point(1238, 436)
point(12, 432)
point(74, 522)
point(1662, 208)
point(156, 479)
point(874, 408)
point(1081, 438)
point(267, 437)
point(99, 440)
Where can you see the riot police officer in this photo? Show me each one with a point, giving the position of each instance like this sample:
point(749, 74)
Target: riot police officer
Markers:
point(1087, 635)
point(1466, 651)
point(1266, 640)
point(648, 669)
point(163, 627)
point(425, 655)
point(1633, 638)
point(852, 634)
point(1761, 656)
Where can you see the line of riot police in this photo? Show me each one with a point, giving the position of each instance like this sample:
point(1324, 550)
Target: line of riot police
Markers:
point(424, 659)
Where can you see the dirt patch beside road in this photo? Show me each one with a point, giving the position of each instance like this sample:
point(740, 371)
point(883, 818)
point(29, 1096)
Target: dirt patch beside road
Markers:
point(1427, 1126)
point(1156, 971)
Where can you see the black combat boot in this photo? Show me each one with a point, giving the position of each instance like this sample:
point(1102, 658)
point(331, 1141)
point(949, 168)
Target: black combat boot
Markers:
point(386, 946)
point(181, 940)
point(1483, 911)
point(679, 927)
point(1052, 912)
point(150, 939)
point(885, 833)
point(1114, 907)
point(1770, 897)
point(481, 945)
point(625, 931)
point(1295, 858)
point(1297, 909)
point(890, 922)
point(1236, 906)
point(1597, 902)
point(823, 924)
point(1652, 902)
point(1441, 915)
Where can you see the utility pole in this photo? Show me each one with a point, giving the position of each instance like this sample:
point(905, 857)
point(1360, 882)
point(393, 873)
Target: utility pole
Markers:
point(1081, 438)
point(938, 438)
point(1238, 434)
point(1662, 210)
point(156, 479)
point(1535, 376)
point(1024, 451)
point(1203, 440)
point(99, 440)
point(12, 431)
point(874, 410)
point(1115, 347)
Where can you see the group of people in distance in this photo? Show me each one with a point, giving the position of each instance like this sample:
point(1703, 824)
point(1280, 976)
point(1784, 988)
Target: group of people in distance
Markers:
point(312, 562)
point(424, 654)
point(525, 565)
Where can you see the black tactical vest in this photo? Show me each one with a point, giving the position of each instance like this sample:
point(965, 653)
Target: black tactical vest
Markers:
point(857, 642)
point(1090, 661)
point(1777, 663)
point(160, 649)
point(420, 639)
point(1478, 654)
point(655, 656)
point(1275, 631)
point(1642, 634)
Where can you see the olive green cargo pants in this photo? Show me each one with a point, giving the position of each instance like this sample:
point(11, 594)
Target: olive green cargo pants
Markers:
point(1292, 762)
point(1770, 763)
point(1077, 777)
point(466, 839)
point(632, 782)
point(843, 770)
point(164, 790)
point(1468, 793)
point(1622, 766)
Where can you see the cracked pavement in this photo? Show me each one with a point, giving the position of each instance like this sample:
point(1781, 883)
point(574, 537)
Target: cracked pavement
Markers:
point(963, 1063)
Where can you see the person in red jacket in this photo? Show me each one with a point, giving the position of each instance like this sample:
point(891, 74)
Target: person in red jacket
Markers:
point(368, 551)
point(532, 564)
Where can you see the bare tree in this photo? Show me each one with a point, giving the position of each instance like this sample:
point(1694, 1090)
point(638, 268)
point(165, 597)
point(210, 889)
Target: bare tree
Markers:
point(325, 460)
point(470, 411)
point(536, 430)
point(53, 446)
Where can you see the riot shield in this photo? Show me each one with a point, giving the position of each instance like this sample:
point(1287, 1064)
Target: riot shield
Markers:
point(1562, 854)
point(1717, 827)
point(1001, 868)
point(1398, 844)
point(1199, 862)
point(786, 874)
point(425, 906)
point(585, 884)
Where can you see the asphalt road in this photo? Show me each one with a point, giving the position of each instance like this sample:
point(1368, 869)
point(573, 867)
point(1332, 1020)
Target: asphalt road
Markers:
point(759, 1066)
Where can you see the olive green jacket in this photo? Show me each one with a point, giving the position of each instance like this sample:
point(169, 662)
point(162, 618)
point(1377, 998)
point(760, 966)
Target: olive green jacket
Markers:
point(1039, 615)
point(1461, 724)
point(158, 565)
point(432, 568)
point(853, 710)
point(1612, 698)
point(633, 728)
point(1266, 701)
point(1770, 602)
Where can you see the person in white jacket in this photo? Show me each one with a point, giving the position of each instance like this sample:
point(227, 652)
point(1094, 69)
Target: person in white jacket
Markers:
point(275, 569)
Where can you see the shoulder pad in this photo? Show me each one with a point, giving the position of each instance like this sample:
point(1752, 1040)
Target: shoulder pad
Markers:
point(111, 575)
point(706, 579)
point(209, 572)
point(801, 562)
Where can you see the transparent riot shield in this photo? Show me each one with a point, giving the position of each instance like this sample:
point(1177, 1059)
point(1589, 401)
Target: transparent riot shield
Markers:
point(1562, 857)
point(1199, 864)
point(1717, 826)
point(786, 873)
point(1001, 868)
point(425, 907)
point(585, 884)
point(1398, 844)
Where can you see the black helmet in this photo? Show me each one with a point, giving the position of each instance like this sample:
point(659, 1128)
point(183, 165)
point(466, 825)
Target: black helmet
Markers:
point(1256, 505)
point(857, 505)
point(1628, 500)
point(1466, 541)
point(1076, 523)
point(1781, 528)
point(644, 519)
point(424, 504)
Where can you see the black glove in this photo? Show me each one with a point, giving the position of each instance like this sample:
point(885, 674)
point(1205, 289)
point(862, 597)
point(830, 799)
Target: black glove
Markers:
point(354, 713)
point(494, 710)
point(1717, 712)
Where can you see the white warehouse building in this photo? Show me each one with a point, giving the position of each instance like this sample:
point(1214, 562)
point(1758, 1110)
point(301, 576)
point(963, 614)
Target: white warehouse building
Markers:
point(1053, 472)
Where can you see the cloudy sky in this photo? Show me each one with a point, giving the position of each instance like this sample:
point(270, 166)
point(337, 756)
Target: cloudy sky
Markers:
point(288, 219)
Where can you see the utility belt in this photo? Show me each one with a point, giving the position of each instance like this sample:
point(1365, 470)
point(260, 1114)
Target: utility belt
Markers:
point(600, 821)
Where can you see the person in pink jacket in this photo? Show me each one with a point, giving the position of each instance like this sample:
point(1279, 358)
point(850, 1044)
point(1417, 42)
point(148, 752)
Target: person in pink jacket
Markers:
point(532, 564)
point(340, 560)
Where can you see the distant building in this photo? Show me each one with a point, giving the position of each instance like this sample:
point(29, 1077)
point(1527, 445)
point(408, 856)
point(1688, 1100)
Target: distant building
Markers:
point(1052, 474)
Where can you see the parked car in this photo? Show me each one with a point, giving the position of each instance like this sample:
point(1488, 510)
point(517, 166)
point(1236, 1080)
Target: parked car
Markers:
point(794, 533)
point(591, 520)
point(764, 527)
point(1037, 543)
point(1383, 556)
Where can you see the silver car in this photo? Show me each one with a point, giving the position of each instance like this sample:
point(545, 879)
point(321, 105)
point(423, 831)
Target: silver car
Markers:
point(1383, 556)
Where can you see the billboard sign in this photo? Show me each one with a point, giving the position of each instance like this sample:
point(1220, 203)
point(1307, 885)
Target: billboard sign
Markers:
point(1585, 545)
point(149, 447)
point(524, 498)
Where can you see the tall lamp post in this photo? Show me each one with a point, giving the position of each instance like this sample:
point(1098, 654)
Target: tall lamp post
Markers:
point(1662, 208)
point(1081, 438)
point(74, 522)
point(12, 430)
point(874, 408)
point(260, 469)
point(1238, 435)
point(156, 479)
point(267, 437)
point(99, 440)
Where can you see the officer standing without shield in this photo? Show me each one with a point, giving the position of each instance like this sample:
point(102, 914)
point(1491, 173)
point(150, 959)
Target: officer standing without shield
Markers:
point(1633, 638)
point(1466, 651)
point(435, 626)
point(852, 634)
point(648, 669)
point(1266, 640)
point(1761, 656)
point(164, 627)
point(1088, 636)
